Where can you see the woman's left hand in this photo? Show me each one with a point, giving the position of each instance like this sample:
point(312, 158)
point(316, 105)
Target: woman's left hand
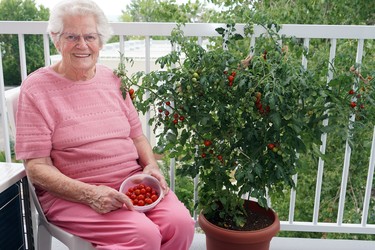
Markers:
point(155, 172)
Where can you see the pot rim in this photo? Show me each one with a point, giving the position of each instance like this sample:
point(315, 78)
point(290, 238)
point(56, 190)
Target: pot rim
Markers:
point(259, 235)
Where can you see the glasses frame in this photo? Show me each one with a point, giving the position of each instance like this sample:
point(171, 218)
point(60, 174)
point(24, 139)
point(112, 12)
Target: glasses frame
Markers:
point(75, 38)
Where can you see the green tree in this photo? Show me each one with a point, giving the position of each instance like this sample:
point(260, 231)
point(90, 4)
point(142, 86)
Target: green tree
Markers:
point(21, 10)
point(322, 12)
point(299, 11)
point(163, 11)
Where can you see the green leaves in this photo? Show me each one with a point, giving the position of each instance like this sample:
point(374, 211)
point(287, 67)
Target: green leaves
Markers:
point(220, 30)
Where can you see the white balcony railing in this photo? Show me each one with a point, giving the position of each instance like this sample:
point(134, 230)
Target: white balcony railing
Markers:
point(358, 34)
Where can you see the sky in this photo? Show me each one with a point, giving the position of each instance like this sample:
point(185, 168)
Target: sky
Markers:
point(112, 8)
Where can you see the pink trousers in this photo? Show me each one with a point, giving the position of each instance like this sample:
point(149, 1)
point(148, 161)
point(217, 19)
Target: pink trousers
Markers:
point(169, 226)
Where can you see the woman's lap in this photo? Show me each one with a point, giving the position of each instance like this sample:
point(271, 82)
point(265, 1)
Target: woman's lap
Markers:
point(168, 226)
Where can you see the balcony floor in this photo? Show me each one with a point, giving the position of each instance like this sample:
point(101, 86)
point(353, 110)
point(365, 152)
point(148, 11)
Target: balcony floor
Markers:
point(279, 243)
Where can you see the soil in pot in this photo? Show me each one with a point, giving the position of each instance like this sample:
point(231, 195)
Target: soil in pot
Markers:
point(255, 221)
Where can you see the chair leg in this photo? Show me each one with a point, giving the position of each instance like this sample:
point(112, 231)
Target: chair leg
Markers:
point(44, 239)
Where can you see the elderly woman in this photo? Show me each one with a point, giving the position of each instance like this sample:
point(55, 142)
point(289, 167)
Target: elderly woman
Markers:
point(80, 139)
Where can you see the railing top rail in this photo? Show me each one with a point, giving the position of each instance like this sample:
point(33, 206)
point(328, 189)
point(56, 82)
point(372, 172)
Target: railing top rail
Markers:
point(204, 29)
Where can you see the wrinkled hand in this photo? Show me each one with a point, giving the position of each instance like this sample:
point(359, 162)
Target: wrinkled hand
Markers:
point(155, 172)
point(106, 199)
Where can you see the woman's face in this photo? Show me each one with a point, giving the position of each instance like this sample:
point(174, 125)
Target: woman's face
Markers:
point(79, 45)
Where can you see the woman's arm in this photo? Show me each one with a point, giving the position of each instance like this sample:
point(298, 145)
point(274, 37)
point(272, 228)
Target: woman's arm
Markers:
point(102, 199)
point(148, 162)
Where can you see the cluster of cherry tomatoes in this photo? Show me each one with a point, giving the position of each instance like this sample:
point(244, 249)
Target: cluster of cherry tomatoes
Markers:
point(259, 105)
point(208, 143)
point(176, 117)
point(353, 104)
point(132, 93)
point(230, 77)
point(142, 195)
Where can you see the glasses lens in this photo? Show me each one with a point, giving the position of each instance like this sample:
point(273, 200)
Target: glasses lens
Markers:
point(70, 37)
point(91, 37)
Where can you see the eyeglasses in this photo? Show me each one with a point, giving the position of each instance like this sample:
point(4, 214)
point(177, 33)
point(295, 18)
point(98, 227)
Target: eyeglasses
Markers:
point(74, 38)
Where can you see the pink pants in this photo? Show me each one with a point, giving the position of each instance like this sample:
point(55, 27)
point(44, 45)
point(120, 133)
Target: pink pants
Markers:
point(169, 226)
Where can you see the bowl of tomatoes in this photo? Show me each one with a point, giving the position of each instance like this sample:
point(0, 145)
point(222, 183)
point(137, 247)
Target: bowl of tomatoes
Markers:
point(143, 190)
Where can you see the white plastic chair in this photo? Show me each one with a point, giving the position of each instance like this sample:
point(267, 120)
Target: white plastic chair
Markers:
point(43, 229)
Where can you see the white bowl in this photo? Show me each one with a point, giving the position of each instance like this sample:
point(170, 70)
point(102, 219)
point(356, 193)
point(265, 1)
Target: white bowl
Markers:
point(145, 179)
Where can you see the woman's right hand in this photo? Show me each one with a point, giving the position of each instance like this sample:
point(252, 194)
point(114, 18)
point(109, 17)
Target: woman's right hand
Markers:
point(106, 199)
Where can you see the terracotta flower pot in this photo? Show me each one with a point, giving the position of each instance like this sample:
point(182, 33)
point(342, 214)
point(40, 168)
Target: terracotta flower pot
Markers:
point(218, 238)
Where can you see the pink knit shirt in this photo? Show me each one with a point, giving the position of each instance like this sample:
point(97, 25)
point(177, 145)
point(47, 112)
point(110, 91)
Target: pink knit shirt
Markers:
point(85, 127)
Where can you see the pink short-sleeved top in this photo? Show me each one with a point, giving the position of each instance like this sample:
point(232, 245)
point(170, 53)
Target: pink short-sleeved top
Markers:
point(86, 127)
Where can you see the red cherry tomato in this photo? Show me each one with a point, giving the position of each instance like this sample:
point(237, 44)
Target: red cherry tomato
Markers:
point(141, 203)
point(154, 197)
point(141, 197)
point(207, 143)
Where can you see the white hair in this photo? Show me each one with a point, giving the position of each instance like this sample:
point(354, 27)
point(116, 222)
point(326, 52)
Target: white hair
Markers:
point(78, 8)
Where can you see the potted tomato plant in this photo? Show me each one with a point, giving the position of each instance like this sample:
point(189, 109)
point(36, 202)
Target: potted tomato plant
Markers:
point(240, 121)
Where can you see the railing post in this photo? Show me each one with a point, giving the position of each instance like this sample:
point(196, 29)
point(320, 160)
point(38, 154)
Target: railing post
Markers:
point(370, 177)
point(21, 44)
point(47, 54)
point(323, 138)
